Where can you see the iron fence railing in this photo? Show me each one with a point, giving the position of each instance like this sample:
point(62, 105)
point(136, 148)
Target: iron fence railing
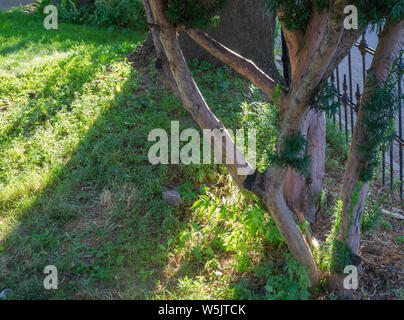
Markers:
point(345, 117)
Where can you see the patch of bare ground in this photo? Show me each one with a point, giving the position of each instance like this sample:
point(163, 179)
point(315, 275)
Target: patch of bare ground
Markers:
point(382, 271)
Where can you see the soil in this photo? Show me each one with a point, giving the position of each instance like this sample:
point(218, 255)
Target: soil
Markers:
point(382, 254)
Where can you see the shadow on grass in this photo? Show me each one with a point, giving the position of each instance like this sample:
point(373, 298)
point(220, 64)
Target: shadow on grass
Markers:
point(40, 108)
point(14, 48)
point(100, 218)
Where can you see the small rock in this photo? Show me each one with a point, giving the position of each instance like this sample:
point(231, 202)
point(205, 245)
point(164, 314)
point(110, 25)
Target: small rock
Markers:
point(173, 198)
point(393, 214)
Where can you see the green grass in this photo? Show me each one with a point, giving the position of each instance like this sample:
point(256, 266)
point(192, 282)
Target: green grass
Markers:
point(399, 240)
point(77, 190)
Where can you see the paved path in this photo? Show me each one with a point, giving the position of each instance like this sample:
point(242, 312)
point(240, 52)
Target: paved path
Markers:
point(357, 70)
point(357, 78)
point(7, 4)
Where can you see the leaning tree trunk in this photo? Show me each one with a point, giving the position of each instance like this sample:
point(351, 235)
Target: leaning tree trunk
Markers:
point(245, 26)
point(353, 194)
point(324, 46)
point(248, 29)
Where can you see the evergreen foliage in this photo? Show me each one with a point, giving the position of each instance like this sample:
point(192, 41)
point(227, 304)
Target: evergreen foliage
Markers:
point(326, 100)
point(293, 154)
point(297, 13)
point(193, 13)
point(376, 12)
point(380, 108)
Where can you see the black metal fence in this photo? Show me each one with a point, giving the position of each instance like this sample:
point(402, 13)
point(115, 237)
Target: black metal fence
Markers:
point(345, 117)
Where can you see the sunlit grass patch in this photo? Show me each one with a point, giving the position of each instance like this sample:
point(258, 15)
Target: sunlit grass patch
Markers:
point(53, 87)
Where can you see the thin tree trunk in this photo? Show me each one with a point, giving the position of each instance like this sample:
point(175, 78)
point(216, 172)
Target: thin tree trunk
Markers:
point(390, 41)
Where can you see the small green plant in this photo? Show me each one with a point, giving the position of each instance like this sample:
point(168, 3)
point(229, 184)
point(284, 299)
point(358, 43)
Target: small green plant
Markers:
point(290, 282)
point(372, 216)
point(123, 14)
point(292, 154)
point(264, 118)
point(335, 254)
point(245, 226)
point(399, 240)
point(337, 146)
point(326, 100)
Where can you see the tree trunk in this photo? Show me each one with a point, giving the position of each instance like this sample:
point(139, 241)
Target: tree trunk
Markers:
point(269, 185)
point(248, 29)
point(389, 43)
point(245, 27)
point(353, 194)
point(303, 194)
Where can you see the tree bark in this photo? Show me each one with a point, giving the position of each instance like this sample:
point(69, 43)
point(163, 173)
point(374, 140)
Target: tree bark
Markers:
point(321, 48)
point(245, 27)
point(302, 193)
point(270, 184)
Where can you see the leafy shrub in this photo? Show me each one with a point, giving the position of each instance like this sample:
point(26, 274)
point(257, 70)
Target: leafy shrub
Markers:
point(290, 282)
point(264, 118)
point(371, 219)
point(193, 13)
point(103, 13)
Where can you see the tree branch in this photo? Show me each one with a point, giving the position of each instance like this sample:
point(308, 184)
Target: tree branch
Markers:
point(294, 41)
point(164, 68)
point(243, 66)
point(344, 47)
point(192, 98)
point(272, 181)
point(313, 36)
